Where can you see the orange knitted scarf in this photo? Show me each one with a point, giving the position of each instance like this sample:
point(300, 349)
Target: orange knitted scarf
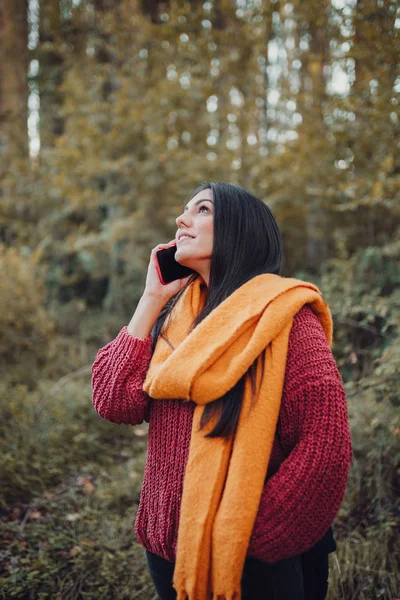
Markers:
point(224, 478)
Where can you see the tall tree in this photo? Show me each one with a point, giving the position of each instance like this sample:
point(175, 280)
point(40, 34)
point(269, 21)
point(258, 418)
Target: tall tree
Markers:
point(63, 30)
point(13, 76)
point(51, 72)
point(312, 101)
point(154, 8)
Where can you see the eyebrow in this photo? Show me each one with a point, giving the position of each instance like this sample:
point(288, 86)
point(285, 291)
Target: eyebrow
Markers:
point(199, 202)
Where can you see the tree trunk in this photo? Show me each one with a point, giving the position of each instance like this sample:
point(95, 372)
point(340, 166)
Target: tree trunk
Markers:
point(154, 8)
point(311, 106)
point(51, 72)
point(13, 76)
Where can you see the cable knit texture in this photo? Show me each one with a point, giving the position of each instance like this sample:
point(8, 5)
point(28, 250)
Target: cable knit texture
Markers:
point(224, 478)
point(310, 457)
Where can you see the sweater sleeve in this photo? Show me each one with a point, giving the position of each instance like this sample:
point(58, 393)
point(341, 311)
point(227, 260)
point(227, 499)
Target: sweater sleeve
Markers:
point(118, 373)
point(301, 500)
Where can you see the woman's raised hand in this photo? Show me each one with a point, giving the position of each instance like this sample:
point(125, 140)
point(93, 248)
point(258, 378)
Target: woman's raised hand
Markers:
point(153, 286)
point(154, 297)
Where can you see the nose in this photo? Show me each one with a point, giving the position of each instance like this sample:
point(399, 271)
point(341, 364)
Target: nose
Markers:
point(182, 220)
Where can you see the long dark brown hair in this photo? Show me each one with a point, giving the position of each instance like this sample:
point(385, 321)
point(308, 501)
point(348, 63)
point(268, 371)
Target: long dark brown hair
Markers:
point(247, 243)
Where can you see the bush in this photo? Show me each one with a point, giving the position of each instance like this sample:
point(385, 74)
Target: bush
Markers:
point(364, 297)
point(70, 485)
point(25, 326)
point(48, 436)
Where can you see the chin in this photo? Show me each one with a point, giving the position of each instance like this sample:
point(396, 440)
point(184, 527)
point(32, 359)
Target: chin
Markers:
point(182, 260)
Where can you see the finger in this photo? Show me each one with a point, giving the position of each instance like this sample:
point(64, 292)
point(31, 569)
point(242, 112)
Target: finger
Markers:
point(157, 248)
point(162, 246)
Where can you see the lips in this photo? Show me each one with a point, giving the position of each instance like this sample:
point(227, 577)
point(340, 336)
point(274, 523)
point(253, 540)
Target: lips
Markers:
point(184, 236)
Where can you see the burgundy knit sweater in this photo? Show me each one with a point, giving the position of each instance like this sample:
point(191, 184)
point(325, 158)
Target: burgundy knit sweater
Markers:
point(302, 492)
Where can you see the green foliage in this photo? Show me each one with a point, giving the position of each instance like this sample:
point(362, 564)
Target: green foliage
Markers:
point(49, 434)
point(365, 565)
point(69, 545)
point(150, 110)
point(364, 295)
point(25, 325)
point(69, 489)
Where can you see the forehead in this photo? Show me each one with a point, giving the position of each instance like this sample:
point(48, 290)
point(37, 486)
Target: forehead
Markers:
point(203, 195)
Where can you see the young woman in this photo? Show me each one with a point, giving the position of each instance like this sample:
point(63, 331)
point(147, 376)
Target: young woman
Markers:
point(248, 445)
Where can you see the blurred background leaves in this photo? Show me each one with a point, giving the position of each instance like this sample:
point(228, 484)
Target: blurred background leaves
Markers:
point(111, 112)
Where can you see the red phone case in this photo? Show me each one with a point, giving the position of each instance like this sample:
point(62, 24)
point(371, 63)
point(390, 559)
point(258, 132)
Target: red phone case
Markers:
point(180, 271)
point(159, 271)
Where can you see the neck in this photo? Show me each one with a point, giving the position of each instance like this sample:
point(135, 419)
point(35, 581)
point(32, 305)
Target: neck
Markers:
point(205, 276)
point(203, 271)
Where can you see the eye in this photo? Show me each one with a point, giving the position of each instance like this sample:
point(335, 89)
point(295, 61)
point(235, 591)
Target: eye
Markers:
point(206, 208)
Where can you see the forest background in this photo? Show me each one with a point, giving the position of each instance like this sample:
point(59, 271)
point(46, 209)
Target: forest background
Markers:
point(111, 111)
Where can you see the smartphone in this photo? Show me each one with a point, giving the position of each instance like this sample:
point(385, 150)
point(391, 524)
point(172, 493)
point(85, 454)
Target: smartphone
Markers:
point(167, 267)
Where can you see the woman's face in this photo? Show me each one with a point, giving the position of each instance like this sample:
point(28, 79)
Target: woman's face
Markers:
point(195, 235)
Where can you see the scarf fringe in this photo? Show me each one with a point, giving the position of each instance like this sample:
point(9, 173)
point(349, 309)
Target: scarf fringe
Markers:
point(231, 595)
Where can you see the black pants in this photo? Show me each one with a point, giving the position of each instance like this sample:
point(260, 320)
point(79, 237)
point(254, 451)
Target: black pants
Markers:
point(303, 577)
point(315, 575)
point(282, 580)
